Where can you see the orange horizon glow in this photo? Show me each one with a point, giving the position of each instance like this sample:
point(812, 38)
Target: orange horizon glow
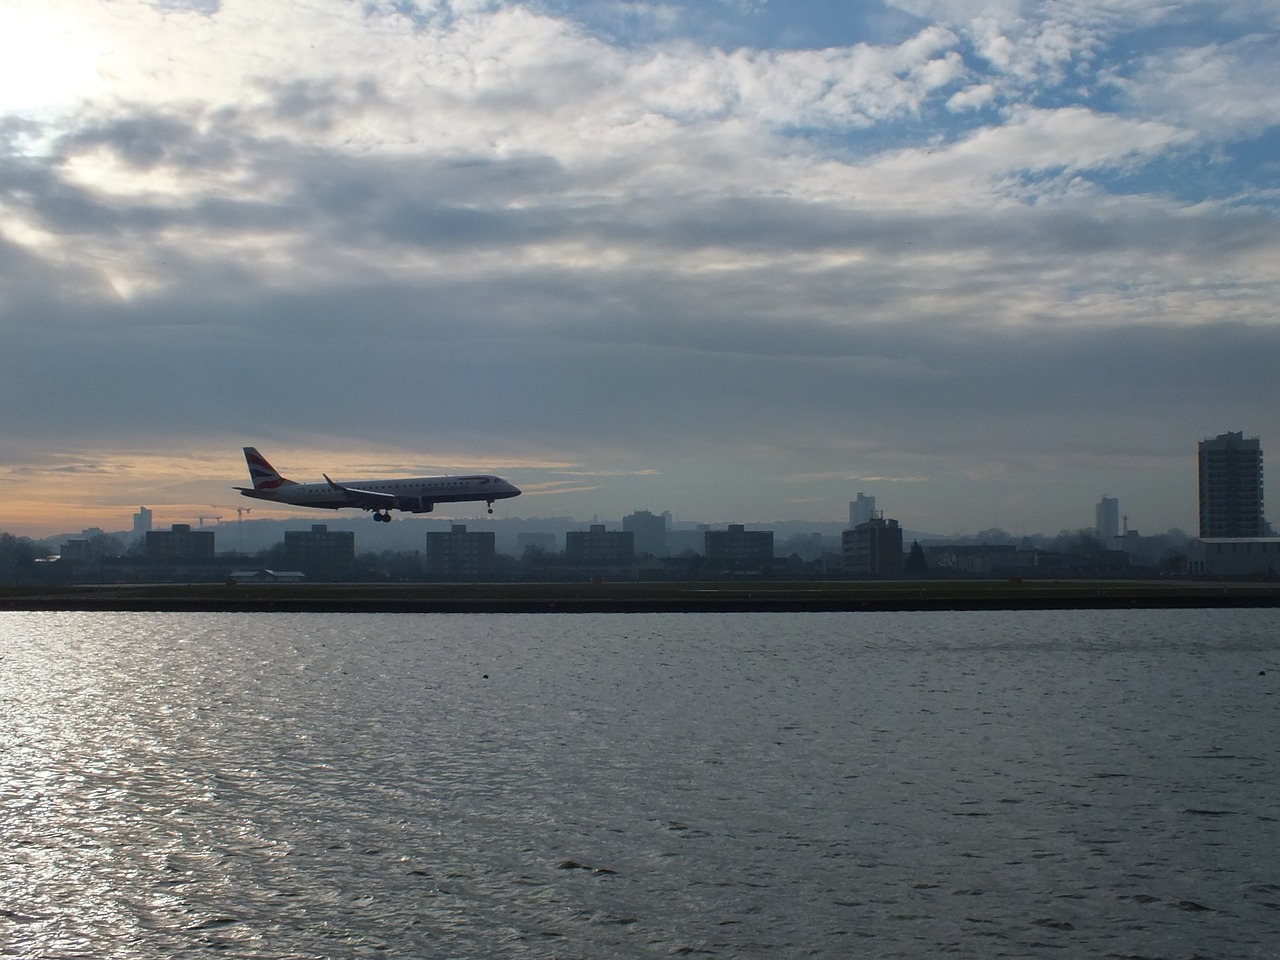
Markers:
point(97, 489)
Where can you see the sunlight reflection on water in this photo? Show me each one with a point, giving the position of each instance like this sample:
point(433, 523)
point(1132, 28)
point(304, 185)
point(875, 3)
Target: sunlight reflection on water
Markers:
point(890, 785)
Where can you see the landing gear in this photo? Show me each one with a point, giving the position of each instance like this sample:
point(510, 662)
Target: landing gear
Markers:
point(382, 517)
point(491, 506)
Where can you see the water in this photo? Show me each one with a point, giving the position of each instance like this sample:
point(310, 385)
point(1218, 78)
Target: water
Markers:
point(1042, 784)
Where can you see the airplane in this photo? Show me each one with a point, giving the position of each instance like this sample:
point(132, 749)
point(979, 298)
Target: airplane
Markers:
point(412, 494)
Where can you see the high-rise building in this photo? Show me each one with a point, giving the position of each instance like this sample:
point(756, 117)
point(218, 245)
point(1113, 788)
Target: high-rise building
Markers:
point(461, 554)
point(1107, 520)
point(321, 553)
point(650, 531)
point(141, 522)
point(600, 546)
point(179, 542)
point(861, 510)
point(738, 547)
point(1231, 487)
point(873, 548)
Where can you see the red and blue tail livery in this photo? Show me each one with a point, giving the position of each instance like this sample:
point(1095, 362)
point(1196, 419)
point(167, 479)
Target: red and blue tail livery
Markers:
point(263, 474)
point(410, 494)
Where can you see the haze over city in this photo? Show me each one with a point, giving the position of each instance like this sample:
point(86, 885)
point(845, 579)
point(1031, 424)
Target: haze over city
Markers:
point(736, 260)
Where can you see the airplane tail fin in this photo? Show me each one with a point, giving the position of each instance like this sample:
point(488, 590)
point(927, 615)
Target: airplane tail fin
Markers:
point(263, 474)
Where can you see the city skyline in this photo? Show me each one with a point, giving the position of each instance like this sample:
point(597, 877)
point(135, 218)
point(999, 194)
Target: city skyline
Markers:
point(855, 510)
point(112, 518)
point(740, 260)
point(230, 522)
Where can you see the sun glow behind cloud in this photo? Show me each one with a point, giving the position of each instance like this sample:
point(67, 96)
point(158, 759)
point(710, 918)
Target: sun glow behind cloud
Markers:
point(373, 232)
point(49, 59)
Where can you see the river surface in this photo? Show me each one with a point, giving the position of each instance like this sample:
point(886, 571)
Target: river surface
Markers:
point(997, 784)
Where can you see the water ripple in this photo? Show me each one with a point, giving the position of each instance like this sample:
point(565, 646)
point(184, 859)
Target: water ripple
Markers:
point(1043, 784)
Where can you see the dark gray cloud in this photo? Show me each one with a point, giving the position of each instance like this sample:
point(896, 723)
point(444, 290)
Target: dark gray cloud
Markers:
point(144, 141)
point(671, 265)
point(463, 357)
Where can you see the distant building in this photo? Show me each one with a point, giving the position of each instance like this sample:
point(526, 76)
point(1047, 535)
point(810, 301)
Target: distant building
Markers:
point(650, 532)
point(77, 550)
point(266, 576)
point(806, 546)
point(141, 523)
point(873, 548)
point(1231, 487)
point(976, 560)
point(1234, 557)
point(1130, 543)
point(1107, 520)
point(536, 540)
point(861, 510)
point(179, 542)
point(459, 554)
point(687, 541)
point(738, 547)
point(321, 553)
point(599, 547)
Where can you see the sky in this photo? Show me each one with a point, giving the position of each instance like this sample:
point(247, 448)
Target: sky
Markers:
point(738, 260)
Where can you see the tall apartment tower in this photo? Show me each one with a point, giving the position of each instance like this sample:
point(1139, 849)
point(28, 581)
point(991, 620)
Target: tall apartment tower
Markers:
point(650, 532)
point(1107, 520)
point(321, 553)
point(738, 547)
point(874, 548)
point(141, 522)
point(861, 510)
point(600, 546)
point(461, 554)
point(1231, 487)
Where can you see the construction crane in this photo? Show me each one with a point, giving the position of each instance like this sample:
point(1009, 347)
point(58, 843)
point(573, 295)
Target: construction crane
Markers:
point(202, 519)
point(240, 512)
point(173, 517)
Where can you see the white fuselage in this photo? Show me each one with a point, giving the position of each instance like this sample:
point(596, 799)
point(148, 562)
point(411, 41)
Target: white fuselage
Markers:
point(414, 494)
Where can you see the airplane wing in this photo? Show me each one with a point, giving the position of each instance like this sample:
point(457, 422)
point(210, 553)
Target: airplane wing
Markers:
point(365, 499)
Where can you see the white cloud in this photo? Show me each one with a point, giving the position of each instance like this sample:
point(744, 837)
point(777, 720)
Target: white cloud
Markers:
point(1223, 90)
point(1073, 138)
point(869, 260)
point(972, 98)
point(501, 75)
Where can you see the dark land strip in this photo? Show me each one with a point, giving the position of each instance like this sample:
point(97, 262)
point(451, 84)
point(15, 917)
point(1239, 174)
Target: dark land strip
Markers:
point(755, 597)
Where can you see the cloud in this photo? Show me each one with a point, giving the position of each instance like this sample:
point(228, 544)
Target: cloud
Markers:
point(1070, 138)
point(497, 234)
point(972, 98)
point(1228, 90)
